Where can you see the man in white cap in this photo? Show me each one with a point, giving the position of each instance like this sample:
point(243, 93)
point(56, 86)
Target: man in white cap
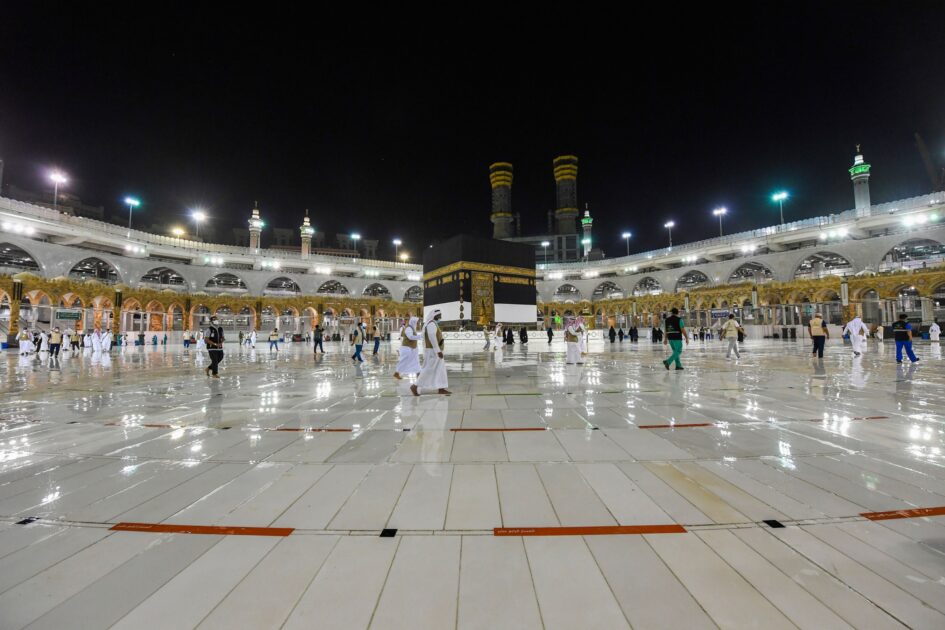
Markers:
point(433, 373)
point(409, 362)
point(858, 331)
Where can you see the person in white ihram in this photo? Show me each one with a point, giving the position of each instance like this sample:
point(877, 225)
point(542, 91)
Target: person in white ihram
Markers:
point(433, 373)
point(934, 332)
point(409, 362)
point(858, 331)
point(572, 337)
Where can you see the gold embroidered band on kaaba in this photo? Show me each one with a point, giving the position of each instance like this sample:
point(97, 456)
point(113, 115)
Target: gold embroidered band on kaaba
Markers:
point(474, 266)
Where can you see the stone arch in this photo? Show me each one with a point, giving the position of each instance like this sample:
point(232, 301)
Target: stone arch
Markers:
point(567, 293)
point(647, 285)
point(332, 287)
point(607, 290)
point(95, 268)
point(413, 294)
point(199, 314)
point(71, 300)
point(175, 316)
point(14, 256)
point(228, 282)
point(822, 263)
point(377, 290)
point(915, 250)
point(156, 317)
point(691, 280)
point(310, 315)
point(751, 271)
point(281, 285)
point(165, 277)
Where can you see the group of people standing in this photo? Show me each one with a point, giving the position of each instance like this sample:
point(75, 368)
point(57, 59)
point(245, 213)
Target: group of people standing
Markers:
point(504, 335)
point(52, 342)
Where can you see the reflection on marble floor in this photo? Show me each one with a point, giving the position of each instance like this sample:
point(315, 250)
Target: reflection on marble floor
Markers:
point(339, 452)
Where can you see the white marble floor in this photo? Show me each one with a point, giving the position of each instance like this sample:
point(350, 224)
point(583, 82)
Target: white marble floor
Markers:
point(318, 456)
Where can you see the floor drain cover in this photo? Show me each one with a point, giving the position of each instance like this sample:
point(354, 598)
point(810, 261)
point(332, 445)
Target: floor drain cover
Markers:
point(773, 523)
point(388, 533)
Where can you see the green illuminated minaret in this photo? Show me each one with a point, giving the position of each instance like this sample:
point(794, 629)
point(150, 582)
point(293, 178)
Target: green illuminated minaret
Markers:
point(586, 224)
point(860, 175)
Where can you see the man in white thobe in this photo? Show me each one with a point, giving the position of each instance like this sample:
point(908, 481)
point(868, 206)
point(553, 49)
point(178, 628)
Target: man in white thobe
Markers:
point(572, 338)
point(934, 332)
point(433, 373)
point(857, 331)
point(96, 341)
point(409, 362)
point(107, 341)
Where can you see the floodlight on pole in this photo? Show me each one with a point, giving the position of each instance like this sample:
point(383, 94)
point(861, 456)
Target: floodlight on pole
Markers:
point(397, 244)
point(544, 246)
point(720, 212)
point(57, 178)
point(626, 236)
point(780, 197)
point(669, 226)
point(355, 237)
point(199, 216)
point(404, 257)
point(132, 203)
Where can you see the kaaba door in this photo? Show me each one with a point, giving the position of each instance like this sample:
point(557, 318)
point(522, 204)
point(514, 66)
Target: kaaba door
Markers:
point(483, 298)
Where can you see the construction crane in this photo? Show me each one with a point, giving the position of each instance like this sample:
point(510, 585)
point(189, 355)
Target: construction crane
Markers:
point(936, 175)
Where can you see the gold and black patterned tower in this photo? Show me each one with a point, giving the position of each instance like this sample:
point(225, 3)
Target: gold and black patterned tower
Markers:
point(500, 176)
point(566, 210)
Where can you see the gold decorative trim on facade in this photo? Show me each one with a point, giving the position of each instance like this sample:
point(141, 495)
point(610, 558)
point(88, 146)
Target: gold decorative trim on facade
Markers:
point(474, 266)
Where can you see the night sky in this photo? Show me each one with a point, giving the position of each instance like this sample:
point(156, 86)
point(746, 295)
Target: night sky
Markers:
point(670, 114)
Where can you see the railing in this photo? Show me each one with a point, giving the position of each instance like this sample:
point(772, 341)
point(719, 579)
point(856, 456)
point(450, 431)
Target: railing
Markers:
point(193, 249)
point(641, 258)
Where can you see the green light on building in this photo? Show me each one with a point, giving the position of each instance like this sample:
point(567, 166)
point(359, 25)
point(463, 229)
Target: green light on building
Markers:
point(860, 169)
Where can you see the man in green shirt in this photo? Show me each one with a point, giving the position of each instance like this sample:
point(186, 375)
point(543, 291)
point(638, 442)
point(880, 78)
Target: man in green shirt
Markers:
point(675, 333)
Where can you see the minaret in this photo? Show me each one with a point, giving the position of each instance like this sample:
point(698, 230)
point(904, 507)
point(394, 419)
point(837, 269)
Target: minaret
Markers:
point(500, 176)
point(860, 175)
point(255, 227)
point(566, 210)
point(307, 232)
point(586, 223)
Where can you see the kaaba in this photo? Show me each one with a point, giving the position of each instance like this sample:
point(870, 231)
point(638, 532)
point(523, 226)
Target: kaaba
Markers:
point(480, 281)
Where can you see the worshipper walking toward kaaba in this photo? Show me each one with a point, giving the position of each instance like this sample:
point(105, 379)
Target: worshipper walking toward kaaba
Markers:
point(318, 334)
point(487, 334)
point(858, 332)
point(523, 336)
point(433, 374)
point(730, 330)
point(357, 340)
point(902, 330)
point(613, 335)
point(55, 342)
point(409, 362)
point(935, 332)
point(377, 340)
point(817, 328)
point(675, 333)
point(214, 341)
point(572, 338)
point(551, 333)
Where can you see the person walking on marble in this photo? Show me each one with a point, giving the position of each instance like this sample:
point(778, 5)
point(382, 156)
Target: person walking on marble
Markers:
point(675, 333)
point(572, 338)
point(214, 339)
point(858, 332)
point(433, 374)
point(730, 330)
point(409, 362)
point(819, 334)
point(902, 329)
point(935, 332)
point(274, 340)
point(357, 340)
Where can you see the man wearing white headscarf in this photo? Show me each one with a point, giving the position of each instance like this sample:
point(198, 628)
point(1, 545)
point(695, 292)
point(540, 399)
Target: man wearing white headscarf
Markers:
point(935, 332)
point(409, 362)
point(857, 331)
point(572, 338)
point(433, 373)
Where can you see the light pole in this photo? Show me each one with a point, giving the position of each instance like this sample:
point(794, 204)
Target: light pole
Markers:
point(178, 232)
point(404, 257)
point(669, 226)
point(397, 244)
point(626, 236)
point(132, 204)
point(57, 178)
point(720, 212)
point(199, 216)
point(780, 197)
point(544, 246)
point(355, 237)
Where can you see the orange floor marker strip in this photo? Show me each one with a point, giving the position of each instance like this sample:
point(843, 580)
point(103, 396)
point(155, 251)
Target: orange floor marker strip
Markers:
point(913, 513)
point(512, 429)
point(605, 530)
point(312, 430)
point(674, 426)
point(160, 528)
